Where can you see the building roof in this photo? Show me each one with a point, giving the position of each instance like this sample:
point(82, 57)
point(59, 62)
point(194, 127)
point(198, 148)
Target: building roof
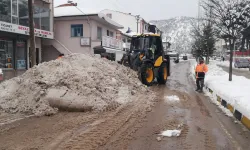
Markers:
point(120, 12)
point(70, 11)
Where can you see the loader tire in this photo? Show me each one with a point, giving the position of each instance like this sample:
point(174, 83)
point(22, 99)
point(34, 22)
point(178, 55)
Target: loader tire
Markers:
point(162, 74)
point(147, 74)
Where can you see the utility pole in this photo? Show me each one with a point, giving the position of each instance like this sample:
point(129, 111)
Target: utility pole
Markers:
point(199, 44)
point(32, 49)
point(137, 17)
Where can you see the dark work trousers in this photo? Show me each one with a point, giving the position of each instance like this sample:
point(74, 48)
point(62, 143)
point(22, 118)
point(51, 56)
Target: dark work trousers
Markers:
point(200, 83)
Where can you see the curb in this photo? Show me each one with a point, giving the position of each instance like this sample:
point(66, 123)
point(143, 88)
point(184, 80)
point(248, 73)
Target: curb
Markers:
point(237, 114)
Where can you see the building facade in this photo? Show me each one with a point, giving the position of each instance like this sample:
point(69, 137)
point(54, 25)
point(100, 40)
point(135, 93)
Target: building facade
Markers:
point(14, 33)
point(128, 20)
point(77, 32)
point(131, 23)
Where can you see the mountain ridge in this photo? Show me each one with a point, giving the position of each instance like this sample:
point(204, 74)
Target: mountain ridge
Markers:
point(179, 29)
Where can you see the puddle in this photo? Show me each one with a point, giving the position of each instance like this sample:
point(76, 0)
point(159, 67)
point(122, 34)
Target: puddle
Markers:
point(172, 99)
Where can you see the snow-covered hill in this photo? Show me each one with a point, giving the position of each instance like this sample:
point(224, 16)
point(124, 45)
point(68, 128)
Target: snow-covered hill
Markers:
point(179, 29)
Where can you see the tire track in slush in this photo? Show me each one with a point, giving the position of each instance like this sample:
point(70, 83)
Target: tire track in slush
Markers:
point(99, 135)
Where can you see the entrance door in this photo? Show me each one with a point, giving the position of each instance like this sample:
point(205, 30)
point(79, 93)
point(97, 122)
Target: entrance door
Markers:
point(37, 56)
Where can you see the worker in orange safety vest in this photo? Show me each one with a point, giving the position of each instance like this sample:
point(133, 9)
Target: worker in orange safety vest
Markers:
point(200, 71)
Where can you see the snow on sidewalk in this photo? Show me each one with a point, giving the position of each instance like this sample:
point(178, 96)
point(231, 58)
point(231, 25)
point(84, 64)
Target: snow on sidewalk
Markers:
point(236, 93)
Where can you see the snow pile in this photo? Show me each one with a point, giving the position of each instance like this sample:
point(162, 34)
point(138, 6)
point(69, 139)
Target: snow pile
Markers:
point(172, 98)
point(213, 98)
point(235, 93)
point(77, 82)
point(170, 133)
point(179, 29)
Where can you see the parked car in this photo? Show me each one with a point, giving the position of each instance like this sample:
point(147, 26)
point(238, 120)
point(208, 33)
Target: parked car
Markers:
point(185, 58)
point(242, 63)
point(173, 56)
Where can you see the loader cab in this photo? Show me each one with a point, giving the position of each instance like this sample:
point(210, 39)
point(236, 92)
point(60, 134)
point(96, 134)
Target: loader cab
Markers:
point(147, 41)
point(147, 57)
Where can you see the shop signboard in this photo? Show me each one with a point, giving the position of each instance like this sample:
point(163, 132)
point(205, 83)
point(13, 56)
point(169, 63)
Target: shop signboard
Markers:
point(85, 41)
point(112, 43)
point(8, 27)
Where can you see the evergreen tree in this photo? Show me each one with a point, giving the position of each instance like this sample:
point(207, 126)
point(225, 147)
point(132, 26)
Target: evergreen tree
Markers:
point(208, 41)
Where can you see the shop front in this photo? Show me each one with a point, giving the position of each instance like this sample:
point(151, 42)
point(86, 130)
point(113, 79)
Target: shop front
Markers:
point(13, 54)
point(14, 33)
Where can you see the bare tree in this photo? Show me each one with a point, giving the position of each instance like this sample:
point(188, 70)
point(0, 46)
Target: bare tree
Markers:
point(229, 17)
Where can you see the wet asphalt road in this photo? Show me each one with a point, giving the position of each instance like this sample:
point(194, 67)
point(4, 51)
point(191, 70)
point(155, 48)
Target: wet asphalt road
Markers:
point(135, 126)
point(204, 126)
point(237, 72)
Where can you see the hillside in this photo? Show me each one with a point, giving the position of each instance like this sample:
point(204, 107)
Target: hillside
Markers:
point(179, 29)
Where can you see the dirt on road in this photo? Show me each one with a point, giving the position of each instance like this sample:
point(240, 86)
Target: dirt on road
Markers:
point(134, 126)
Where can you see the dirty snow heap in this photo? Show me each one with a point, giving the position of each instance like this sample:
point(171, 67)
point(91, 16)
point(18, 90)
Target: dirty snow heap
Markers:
point(77, 82)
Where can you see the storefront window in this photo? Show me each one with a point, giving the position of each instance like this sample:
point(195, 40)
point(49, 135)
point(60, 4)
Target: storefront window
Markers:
point(6, 54)
point(16, 12)
point(45, 19)
point(37, 17)
point(5, 10)
point(21, 55)
point(23, 12)
point(14, 8)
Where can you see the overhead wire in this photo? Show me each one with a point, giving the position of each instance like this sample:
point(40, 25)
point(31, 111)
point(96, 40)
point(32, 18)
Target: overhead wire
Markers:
point(116, 4)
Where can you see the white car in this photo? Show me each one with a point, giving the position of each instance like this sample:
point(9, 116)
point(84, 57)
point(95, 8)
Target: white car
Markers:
point(242, 63)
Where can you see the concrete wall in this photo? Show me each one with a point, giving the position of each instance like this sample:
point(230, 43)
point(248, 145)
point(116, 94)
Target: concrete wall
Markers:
point(63, 35)
point(49, 53)
point(95, 41)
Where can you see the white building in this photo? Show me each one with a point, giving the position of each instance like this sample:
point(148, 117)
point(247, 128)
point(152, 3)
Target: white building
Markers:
point(80, 31)
point(130, 22)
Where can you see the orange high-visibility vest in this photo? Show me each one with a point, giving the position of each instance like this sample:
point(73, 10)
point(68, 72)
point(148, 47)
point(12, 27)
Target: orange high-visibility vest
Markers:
point(201, 68)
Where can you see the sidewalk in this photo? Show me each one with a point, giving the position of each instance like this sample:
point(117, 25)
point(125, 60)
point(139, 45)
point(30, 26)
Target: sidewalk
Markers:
point(234, 95)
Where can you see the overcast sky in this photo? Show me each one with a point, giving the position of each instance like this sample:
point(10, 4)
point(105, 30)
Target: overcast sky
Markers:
point(148, 9)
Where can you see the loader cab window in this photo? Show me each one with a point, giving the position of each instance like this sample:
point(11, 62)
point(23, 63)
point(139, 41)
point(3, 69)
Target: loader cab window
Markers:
point(137, 43)
point(156, 41)
point(159, 47)
point(142, 43)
